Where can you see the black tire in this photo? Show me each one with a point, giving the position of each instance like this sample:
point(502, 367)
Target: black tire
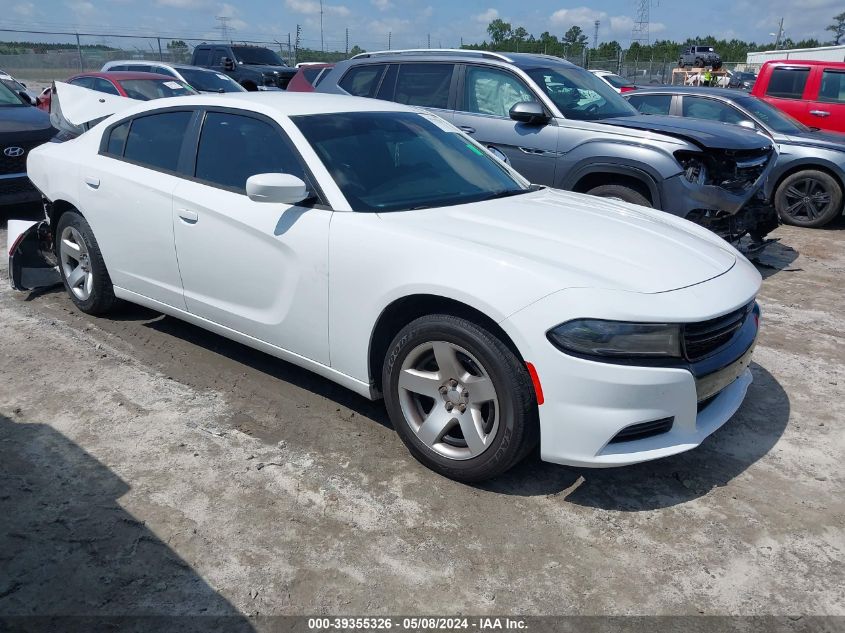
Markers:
point(518, 425)
point(102, 298)
point(699, 63)
point(681, 64)
point(620, 192)
point(810, 183)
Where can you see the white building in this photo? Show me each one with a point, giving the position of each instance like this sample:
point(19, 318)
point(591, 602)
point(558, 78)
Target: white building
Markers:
point(821, 53)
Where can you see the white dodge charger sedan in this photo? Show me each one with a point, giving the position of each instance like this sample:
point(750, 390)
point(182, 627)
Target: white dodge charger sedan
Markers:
point(380, 247)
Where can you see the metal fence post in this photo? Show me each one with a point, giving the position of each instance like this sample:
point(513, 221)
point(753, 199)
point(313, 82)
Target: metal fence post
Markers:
point(79, 50)
point(160, 56)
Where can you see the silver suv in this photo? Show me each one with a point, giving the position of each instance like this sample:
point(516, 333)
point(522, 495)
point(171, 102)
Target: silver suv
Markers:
point(562, 127)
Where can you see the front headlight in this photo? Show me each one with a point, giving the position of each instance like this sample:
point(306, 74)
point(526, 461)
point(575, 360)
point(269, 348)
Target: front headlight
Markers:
point(695, 171)
point(595, 337)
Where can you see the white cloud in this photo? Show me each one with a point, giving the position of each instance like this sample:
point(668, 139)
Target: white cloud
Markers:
point(26, 9)
point(390, 25)
point(382, 5)
point(485, 17)
point(184, 4)
point(81, 7)
point(312, 7)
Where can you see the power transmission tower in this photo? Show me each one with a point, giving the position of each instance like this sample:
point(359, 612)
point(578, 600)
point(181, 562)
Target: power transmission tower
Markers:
point(640, 32)
point(224, 27)
point(596, 34)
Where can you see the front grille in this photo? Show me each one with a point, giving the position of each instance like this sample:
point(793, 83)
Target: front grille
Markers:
point(739, 171)
point(702, 339)
point(17, 164)
point(643, 430)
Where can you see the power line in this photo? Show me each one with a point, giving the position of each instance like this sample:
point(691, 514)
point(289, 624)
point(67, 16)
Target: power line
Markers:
point(224, 27)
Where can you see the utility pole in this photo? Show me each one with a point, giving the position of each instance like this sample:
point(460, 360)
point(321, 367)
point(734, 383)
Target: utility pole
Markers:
point(780, 34)
point(224, 27)
point(347, 41)
point(296, 44)
point(290, 51)
point(389, 34)
point(79, 50)
point(429, 40)
point(160, 56)
point(322, 43)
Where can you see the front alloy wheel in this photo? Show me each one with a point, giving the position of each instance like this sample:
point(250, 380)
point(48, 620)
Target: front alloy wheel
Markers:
point(459, 397)
point(809, 198)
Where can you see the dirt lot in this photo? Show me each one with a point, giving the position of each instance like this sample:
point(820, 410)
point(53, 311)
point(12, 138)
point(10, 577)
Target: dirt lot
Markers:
point(148, 467)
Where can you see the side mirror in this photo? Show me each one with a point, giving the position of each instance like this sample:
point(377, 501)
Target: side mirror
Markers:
point(25, 97)
point(228, 63)
point(529, 112)
point(275, 187)
point(749, 124)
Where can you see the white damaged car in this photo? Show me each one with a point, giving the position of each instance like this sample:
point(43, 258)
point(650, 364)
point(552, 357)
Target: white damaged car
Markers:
point(380, 247)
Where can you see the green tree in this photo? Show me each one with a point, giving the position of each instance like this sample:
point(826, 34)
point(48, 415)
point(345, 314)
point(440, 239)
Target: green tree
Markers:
point(178, 50)
point(837, 28)
point(356, 50)
point(499, 30)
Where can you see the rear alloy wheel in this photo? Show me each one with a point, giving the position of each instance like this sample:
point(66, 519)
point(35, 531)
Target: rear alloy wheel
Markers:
point(621, 193)
point(81, 264)
point(809, 198)
point(459, 398)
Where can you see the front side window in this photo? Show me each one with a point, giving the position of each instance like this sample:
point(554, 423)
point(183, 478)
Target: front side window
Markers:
point(394, 161)
point(833, 87)
point(788, 83)
point(579, 94)
point(362, 81)
point(233, 147)
point(209, 80)
point(424, 85)
point(652, 104)
point(202, 57)
point(155, 140)
point(711, 110)
point(83, 82)
point(771, 116)
point(218, 55)
point(256, 55)
point(492, 91)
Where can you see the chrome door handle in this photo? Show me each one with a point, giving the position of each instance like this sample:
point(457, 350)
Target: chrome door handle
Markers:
point(92, 182)
point(189, 216)
point(467, 129)
point(821, 113)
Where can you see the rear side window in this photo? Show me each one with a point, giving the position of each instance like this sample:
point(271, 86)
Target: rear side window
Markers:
point(833, 87)
point(83, 82)
point(788, 83)
point(203, 57)
point(711, 110)
point(652, 104)
point(155, 140)
point(311, 74)
point(104, 85)
point(362, 81)
point(233, 147)
point(425, 85)
point(117, 139)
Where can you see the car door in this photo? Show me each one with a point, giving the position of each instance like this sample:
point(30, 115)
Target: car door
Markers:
point(826, 110)
point(126, 195)
point(786, 90)
point(258, 268)
point(485, 96)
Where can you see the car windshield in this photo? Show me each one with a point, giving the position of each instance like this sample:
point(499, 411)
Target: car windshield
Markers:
point(771, 117)
point(616, 81)
point(147, 89)
point(257, 55)
point(8, 97)
point(209, 81)
point(395, 161)
point(579, 94)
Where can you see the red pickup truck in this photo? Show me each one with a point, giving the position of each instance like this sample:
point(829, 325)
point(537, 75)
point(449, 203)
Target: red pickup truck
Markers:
point(811, 91)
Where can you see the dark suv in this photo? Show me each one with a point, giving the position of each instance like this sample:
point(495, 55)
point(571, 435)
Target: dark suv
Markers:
point(254, 67)
point(561, 126)
point(700, 57)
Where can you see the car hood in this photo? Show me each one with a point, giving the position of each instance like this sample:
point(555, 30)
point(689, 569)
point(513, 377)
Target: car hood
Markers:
point(705, 134)
point(817, 139)
point(575, 240)
point(23, 119)
point(282, 70)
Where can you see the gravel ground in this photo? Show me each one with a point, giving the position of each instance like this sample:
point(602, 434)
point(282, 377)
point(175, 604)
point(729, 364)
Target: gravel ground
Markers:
point(149, 467)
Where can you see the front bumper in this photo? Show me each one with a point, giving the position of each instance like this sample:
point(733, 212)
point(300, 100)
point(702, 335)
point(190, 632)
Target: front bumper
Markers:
point(589, 403)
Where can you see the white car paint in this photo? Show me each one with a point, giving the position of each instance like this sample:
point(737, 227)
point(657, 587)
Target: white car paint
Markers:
point(309, 284)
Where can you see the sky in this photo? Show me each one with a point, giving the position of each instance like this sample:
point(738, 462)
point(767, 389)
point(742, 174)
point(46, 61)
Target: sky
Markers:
point(412, 22)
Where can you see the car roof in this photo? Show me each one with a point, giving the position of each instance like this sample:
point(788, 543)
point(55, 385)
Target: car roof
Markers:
point(521, 60)
point(804, 62)
point(725, 93)
point(120, 75)
point(153, 63)
point(283, 103)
